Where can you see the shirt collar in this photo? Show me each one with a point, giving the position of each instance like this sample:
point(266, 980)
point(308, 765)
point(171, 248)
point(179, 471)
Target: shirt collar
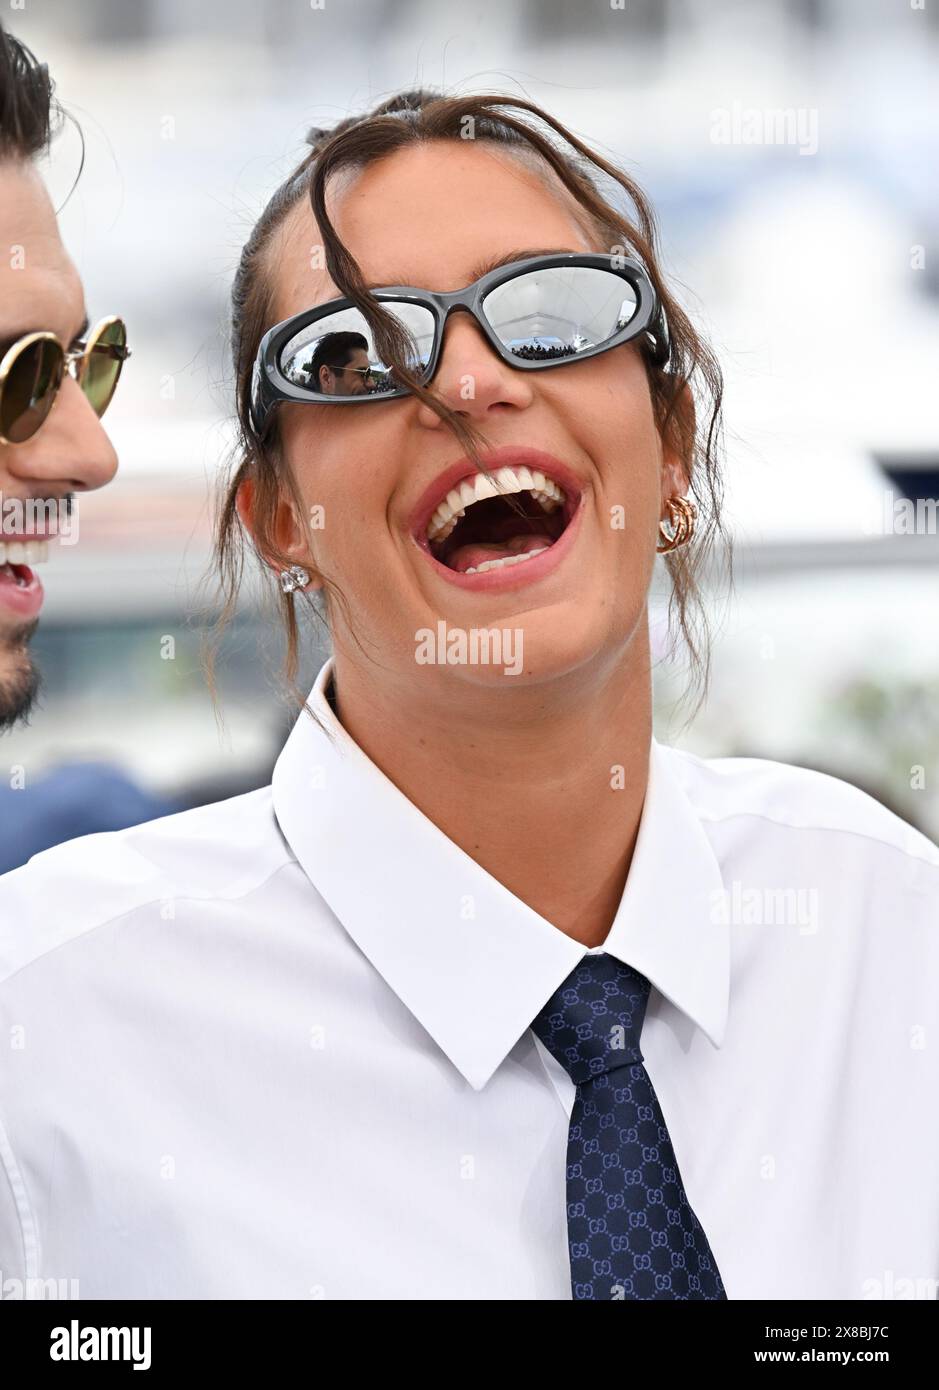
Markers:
point(472, 962)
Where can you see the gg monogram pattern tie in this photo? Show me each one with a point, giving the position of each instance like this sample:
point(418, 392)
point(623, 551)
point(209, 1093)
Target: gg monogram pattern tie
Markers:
point(631, 1231)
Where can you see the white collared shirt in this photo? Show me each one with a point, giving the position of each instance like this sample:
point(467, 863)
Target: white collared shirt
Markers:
point(279, 1047)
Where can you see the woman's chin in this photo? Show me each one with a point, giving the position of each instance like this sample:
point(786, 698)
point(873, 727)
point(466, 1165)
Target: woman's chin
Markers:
point(543, 647)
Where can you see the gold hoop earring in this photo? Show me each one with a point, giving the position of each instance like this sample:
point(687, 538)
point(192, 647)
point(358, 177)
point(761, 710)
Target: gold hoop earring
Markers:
point(682, 514)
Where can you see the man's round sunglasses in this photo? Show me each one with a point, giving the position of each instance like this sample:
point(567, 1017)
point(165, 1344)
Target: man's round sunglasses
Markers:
point(33, 369)
point(543, 311)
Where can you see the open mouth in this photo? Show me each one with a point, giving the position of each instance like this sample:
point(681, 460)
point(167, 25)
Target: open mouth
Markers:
point(20, 575)
point(489, 522)
point(20, 588)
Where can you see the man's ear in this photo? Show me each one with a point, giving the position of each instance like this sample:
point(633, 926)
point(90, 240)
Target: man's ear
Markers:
point(678, 446)
point(286, 532)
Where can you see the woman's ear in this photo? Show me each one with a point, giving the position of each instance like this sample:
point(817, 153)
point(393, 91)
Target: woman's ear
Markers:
point(678, 446)
point(286, 532)
point(244, 504)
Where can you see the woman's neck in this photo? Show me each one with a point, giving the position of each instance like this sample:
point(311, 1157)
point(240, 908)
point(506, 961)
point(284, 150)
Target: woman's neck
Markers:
point(543, 787)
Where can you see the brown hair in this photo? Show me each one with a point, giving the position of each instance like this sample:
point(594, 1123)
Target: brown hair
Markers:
point(410, 118)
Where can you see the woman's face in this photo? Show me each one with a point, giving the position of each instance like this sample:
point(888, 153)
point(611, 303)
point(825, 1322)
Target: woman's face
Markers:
point(431, 216)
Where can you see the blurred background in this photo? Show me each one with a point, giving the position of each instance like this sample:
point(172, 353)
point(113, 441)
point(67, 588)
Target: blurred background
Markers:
point(790, 148)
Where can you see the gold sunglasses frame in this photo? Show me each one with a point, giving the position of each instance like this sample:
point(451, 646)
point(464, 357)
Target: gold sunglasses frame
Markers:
point(70, 357)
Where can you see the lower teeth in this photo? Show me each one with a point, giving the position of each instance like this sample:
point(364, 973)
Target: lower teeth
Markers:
point(506, 560)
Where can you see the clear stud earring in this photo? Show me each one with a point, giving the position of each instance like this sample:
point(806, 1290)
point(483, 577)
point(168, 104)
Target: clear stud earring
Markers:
point(294, 578)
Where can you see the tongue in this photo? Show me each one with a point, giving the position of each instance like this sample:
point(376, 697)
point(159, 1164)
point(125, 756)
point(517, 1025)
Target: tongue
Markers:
point(21, 575)
point(477, 552)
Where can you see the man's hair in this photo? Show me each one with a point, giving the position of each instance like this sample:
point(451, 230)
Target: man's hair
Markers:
point(336, 351)
point(29, 112)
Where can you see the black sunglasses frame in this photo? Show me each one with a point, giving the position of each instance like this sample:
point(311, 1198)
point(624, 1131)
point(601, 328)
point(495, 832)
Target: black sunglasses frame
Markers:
point(269, 385)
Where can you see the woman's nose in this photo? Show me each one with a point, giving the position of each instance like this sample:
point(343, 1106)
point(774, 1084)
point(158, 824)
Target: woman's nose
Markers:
point(471, 377)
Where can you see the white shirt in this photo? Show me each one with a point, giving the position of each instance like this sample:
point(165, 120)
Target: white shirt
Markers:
point(279, 1047)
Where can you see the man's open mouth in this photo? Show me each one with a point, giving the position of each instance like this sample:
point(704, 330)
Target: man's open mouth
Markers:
point(507, 517)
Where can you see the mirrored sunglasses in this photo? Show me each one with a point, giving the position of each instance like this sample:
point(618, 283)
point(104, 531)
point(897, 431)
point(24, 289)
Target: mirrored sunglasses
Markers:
point(544, 311)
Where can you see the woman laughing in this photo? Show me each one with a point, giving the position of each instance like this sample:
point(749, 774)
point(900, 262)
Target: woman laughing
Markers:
point(465, 1005)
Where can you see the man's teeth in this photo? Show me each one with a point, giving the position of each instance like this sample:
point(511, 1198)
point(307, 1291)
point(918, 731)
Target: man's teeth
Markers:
point(471, 490)
point(506, 560)
point(23, 552)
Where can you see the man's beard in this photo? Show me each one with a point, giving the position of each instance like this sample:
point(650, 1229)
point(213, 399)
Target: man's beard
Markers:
point(19, 679)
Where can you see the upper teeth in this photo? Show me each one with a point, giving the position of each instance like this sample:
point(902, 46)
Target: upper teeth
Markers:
point(23, 552)
point(476, 489)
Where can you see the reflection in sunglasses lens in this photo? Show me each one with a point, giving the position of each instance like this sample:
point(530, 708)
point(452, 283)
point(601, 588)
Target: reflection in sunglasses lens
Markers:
point(559, 311)
point(554, 312)
point(336, 355)
point(104, 359)
point(29, 389)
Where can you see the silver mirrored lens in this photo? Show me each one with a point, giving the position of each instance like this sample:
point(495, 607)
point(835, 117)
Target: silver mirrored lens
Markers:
point(560, 311)
point(335, 356)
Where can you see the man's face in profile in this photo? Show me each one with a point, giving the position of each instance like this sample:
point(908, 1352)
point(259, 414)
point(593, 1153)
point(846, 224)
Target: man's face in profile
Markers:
point(40, 291)
point(350, 380)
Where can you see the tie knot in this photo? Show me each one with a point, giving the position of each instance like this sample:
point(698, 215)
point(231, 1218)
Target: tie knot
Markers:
point(592, 1022)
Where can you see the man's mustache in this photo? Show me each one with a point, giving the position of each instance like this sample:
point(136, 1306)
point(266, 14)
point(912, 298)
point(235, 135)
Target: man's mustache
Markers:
point(37, 516)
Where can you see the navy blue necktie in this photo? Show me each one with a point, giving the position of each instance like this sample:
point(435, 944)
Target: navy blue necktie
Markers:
point(631, 1231)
